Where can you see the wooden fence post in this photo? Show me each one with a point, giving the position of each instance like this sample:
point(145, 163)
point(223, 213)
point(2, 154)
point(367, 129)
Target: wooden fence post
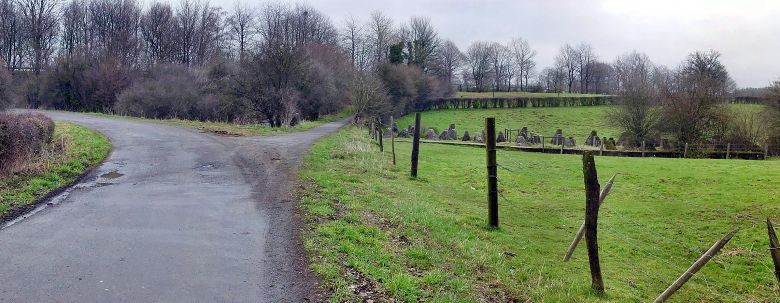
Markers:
point(685, 153)
point(728, 150)
point(601, 149)
point(695, 267)
point(766, 151)
point(591, 219)
point(381, 139)
point(542, 144)
point(416, 144)
point(562, 147)
point(492, 171)
point(643, 148)
point(581, 232)
point(774, 248)
point(392, 138)
point(373, 131)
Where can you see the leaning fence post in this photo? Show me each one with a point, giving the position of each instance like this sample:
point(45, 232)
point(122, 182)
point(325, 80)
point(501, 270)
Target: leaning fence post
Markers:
point(728, 150)
point(591, 219)
point(695, 267)
point(492, 171)
point(415, 144)
point(392, 137)
point(774, 248)
point(581, 231)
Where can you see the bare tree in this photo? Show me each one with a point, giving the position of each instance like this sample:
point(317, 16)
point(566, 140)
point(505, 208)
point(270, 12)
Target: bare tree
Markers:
point(369, 97)
point(241, 22)
point(187, 19)
point(380, 34)
point(585, 59)
point(523, 56)
point(501, 66)
point(157, 30)
point(567, 59)
point(447, 62)
point(637, 114)
point(354, 42)
point(691, 98)
point(72, 36)
point(39, 20)
point(113, 25)
point(208, 34)
point(423, 42)
point(478, 57)
point(11, 35)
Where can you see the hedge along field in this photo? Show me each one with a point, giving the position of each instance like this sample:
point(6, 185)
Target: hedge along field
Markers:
point(575, 121)
point(84, 148)
point(372, 228)
point(521, 95)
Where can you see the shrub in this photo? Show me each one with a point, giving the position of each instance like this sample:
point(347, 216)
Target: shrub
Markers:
point(168, 92)
point(22, 138)
point(5, 88)
point(79, 85)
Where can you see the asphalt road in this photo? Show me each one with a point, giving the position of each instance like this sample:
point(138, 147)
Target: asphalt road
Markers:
point(173, 215)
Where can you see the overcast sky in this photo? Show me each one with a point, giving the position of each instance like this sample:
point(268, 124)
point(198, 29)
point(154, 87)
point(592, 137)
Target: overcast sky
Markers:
point(746, 32)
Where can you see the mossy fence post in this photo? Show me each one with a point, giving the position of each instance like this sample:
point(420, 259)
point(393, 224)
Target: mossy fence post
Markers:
point(774, 248)
point(392, 137)
point(492, 171)
point(416, 144)
point(591, 219)
point(706, 257)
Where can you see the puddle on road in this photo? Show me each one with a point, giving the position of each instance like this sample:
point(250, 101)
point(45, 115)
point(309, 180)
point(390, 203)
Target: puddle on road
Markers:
point(111, 175)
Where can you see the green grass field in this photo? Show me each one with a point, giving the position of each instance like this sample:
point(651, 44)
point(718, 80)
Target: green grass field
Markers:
point(520, 95)
point(372, 227)
point(575, 121)
point(234, 129)
point(84, 148)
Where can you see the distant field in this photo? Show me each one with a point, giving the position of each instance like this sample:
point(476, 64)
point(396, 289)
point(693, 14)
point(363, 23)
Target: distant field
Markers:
point(575, 121)
point(426, 240)
point(520, 94)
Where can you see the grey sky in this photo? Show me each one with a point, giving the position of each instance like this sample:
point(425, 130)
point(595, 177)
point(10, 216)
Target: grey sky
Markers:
point(746, 32)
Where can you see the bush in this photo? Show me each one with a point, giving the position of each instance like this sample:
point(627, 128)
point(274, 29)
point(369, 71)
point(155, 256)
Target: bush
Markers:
point(22, 138)
point(79, 85)
point(5, 88)
point(408, 85)
point(168, 92)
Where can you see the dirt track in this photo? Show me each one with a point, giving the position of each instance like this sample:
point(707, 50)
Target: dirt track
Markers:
point(173, 215)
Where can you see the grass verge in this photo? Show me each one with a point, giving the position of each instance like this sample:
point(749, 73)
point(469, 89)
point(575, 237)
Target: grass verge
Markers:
point(375, 232)
point(235, 129)
point(74, 149)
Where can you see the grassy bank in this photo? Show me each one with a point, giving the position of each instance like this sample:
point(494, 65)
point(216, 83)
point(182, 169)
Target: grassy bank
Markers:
point(74, 149)
point(235, 129)
point(376, 231)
